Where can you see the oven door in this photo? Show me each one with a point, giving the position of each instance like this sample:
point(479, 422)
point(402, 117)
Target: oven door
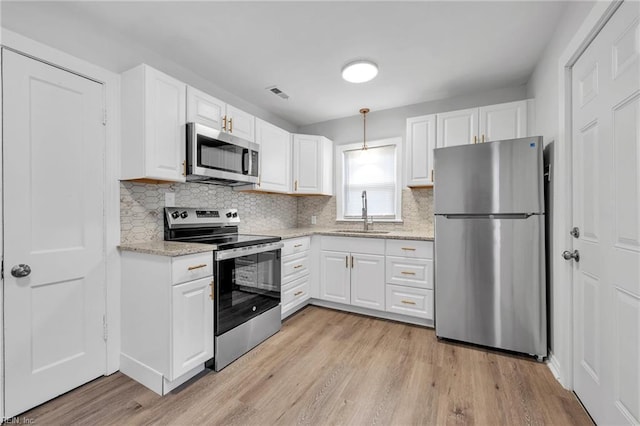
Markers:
point(215, 154)
point(247, 284)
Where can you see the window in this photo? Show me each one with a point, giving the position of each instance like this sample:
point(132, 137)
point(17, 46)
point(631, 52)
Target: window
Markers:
point(375, 170)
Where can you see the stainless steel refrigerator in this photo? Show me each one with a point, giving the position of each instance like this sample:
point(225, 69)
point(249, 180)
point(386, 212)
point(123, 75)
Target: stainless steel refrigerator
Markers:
point(490, 284)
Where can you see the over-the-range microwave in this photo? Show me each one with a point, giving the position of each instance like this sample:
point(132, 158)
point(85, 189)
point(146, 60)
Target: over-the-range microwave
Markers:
point(214, 156)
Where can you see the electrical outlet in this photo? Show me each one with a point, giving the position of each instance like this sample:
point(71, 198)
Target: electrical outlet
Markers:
point(169, 199)
point(314, 220)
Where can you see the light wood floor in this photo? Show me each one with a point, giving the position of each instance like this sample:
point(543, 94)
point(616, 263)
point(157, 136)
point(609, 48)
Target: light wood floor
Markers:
point(329, 367)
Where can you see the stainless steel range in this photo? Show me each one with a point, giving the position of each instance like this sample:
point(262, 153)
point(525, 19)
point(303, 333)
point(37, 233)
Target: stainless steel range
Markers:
point(246, 278)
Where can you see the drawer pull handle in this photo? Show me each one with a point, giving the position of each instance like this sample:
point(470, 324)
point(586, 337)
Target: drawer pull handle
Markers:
point(213, 283)
point(408, 248)
point(191, 268)
point(408, 302)
point(298, 266)
point(297, 245)
point(407, 273)
point(297, 293)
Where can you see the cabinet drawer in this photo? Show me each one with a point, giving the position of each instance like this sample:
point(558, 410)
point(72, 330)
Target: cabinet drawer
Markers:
point(294, 266)
point(409, 272)
point(295, 292)
point(415, 302)
point(410, 248)
point(191, 267)
point(295, 245)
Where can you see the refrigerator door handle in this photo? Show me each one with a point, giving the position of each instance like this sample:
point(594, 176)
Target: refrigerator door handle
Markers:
point(489, 216)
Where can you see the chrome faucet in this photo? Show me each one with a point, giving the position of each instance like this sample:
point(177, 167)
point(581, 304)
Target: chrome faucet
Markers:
point(365, 216)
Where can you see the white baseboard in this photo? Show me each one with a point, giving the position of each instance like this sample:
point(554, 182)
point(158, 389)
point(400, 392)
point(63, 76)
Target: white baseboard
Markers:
point(141, 373)
point(556, 369)
point(372, 312)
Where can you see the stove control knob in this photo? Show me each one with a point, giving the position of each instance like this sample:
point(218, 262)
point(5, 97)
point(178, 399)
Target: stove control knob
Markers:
point(229, 214)
point(235, 214)
point(175, 215)
point(184, 215)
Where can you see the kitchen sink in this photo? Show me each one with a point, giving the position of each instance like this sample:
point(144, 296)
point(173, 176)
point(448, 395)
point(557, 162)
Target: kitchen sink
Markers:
point(360, 231)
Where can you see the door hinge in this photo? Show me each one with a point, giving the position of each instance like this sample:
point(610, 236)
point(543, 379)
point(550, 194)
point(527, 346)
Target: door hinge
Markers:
point(104, 117)
point(105, 330)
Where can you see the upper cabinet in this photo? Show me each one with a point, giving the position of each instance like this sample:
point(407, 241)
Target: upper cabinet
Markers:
point(312, 165)
point(153, 125)
point(484, 124)
point(467, 126)
point(205, 109)
point(421, 140)
point(275, 159)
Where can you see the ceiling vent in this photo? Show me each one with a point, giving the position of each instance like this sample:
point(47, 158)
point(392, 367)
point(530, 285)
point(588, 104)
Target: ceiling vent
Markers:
point(276, 91)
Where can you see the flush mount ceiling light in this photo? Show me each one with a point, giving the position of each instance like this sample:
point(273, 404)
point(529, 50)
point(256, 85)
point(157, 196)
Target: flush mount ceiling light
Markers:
point(359, 71)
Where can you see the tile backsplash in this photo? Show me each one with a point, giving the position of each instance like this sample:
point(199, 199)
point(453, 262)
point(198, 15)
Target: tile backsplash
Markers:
point(142, 204)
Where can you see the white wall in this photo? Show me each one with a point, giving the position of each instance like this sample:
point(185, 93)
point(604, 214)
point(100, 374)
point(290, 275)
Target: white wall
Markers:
point(392, 122)
point(544, 87)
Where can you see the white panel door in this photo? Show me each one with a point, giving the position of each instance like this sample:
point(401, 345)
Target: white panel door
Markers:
point(54, 142)
point(606, 208)
point(421, 140)
point(191, 325)
point(275, 157)
point(367, 281)
point(457, 127)
point(334, 276)
point(241, 124)
point(306, 164)
point(503, 121)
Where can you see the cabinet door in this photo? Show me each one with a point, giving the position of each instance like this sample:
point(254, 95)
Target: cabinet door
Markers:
point(307, 161)
point(334, 276)
point(367, 281)
point(421, 139)
point(204, 109)
point(240, 123)
point(503, 121)
point(275, 157)
point(457, 127)
point(191, 326)
point(165, 126)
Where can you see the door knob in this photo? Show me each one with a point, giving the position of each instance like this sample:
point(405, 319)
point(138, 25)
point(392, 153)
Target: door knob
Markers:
point(575, 232)
point(571, 255)
point(20, 270)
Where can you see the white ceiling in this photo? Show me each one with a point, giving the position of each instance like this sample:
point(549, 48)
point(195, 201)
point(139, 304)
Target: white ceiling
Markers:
point(425, 50)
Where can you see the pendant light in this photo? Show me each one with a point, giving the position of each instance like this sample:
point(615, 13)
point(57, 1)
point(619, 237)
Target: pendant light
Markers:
point(364, 112)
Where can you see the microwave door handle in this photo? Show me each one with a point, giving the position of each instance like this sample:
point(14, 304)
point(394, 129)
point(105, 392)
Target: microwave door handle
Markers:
point(246, 161)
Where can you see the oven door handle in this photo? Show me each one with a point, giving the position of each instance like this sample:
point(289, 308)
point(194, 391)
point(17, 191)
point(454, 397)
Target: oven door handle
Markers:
point(247, 251)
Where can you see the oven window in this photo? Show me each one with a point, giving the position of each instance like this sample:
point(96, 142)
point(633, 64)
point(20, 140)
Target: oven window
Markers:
point(245, 287)
point(219, 155)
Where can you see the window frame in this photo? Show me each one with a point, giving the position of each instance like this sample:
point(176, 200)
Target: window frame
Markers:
point(339, 161)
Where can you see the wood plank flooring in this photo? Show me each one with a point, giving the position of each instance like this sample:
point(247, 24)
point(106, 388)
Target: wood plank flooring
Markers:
point(330, 367)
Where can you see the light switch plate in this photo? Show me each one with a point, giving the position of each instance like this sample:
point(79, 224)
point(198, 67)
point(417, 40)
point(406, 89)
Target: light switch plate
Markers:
point(314, 220)
point(169, 199)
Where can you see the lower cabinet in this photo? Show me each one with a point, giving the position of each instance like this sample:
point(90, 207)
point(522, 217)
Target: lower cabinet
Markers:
point(367, 281)
point(296, 288)
point(167, 318)
point(335, 276)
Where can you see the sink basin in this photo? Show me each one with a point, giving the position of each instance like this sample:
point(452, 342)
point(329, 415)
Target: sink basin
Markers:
point(360, 231)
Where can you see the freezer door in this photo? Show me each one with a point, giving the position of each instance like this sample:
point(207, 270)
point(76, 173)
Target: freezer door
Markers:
point(490, 283)
point(493, 177)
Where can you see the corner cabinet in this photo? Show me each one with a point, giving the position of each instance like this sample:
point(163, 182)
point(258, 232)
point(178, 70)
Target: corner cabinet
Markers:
point(312, 165)
point(153, 125)
point(205, 109)
point(167, 318)
point(275, 159)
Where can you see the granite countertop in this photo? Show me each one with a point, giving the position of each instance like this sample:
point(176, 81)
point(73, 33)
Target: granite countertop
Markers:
point(424, 235)
point(167, 248)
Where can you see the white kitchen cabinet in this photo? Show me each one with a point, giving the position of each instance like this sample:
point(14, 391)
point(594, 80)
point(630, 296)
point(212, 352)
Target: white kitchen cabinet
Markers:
point(352, 271)
point(296, 280)
point(153, 125)
point(409, 278)
point(275, 159)
point(421, 140)
point(205, 109)
point(484, 124)
point(167, 318)
point(312, 165)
